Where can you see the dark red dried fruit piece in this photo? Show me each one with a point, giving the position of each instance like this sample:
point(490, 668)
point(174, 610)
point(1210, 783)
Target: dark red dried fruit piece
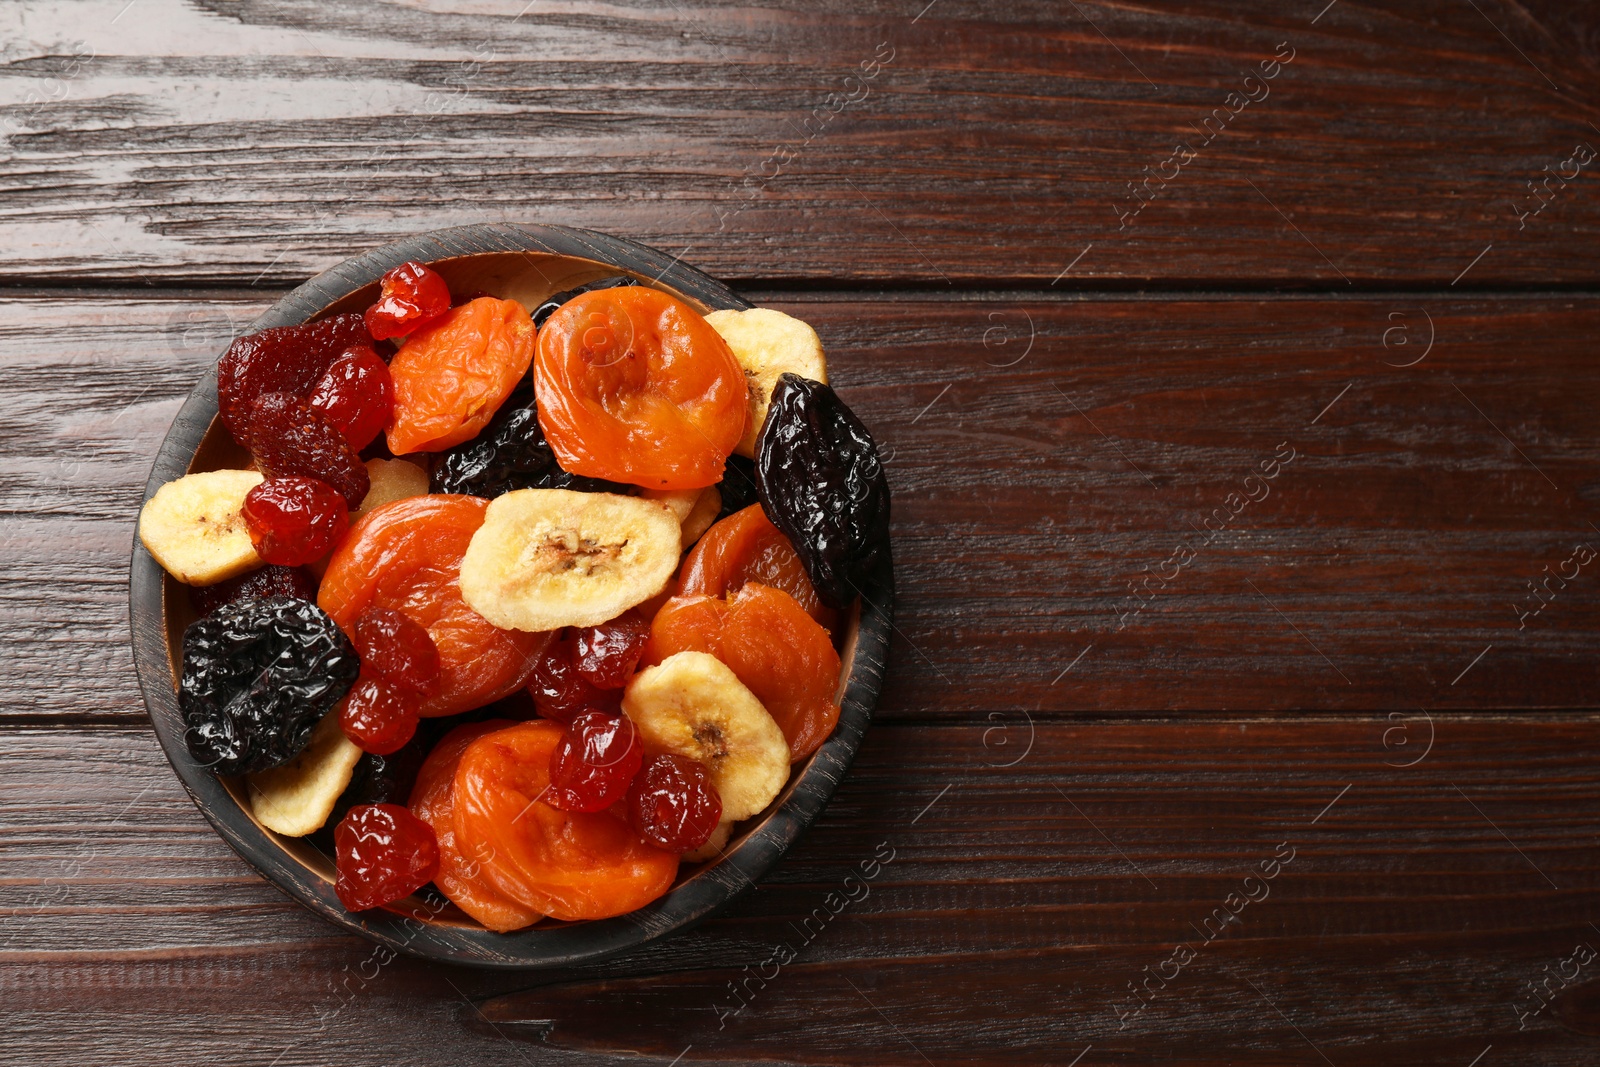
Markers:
point(383, 853)
point(378, 717)
point(559, 689)
point(411, 295)
point(286, 438)
point(591, 768)
point(673, 804)
point(283, 359)
point(608, 653)
point(294, 520)
point(270, 580)
point(392, 645)
point(355, 395)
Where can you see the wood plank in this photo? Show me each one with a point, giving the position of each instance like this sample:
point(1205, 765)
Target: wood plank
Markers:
point(1395, 547)
point(1015, 907)
point(944, 143)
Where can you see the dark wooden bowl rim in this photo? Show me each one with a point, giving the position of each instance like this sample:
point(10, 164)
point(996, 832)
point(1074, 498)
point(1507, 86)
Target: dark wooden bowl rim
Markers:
point(699, 894)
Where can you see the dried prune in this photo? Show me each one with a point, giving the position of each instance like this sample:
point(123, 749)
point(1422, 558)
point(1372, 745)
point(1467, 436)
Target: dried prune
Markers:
point(510, 453)
point(282, 359)
point(822, 484)
point(555, 300)
point(257, 676)
point(287, 438)
point(270, 580)
point(738, 485)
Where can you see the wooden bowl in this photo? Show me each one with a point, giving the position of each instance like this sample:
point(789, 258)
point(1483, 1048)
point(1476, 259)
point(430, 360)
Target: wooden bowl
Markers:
point(525, 263)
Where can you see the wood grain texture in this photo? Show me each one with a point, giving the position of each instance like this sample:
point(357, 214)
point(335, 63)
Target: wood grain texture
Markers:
point(991, 141)
point(1395, 547)
point(1015, 905)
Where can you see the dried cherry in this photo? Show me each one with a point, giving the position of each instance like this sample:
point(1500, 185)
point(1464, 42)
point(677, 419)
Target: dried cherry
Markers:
point(257, 676)
point(555, 300)
point(560, 691)
point(596, 760)
point(382, 853)
point(270, 580)
point(282, 359)
point(294, 520)
point(410, 296)
point(511, 453)
point(672, 803)
point(287, 438)
point(398, 649)
point(355, 395)
point(378, 717)
point(607, 654)
point(822, 484)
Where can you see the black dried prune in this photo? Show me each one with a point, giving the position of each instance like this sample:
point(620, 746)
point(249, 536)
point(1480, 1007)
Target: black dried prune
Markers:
point(822, 484)
point(271, 580)
point(547, 307)
point(257, 676)
point(738, 485)
point(511, 453)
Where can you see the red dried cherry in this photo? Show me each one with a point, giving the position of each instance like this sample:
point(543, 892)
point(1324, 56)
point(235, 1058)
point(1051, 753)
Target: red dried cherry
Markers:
point(608, 653)
point(400, 650)
point(288, 438)
point(383, 853)
point(673, 804)
point(355, 395)
point(294, 520)
point(283, 359)
point(377, 717)
point(559, 689)
point(412, 295)
point(591, 768)
point(270, 580)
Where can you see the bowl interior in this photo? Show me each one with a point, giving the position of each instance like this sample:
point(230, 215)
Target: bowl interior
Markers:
point(528, 265)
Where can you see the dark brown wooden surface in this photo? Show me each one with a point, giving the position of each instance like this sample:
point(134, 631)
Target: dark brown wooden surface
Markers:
point(1055, 426)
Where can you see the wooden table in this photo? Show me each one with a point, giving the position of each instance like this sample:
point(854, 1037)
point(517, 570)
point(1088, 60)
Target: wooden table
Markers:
point(1237, 366)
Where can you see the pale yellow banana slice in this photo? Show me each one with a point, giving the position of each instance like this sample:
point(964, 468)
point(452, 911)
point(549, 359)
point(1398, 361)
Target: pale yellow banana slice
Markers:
point(768, 344)
point(695, 706)
point(297, 797)
point(391, 480)
point(547, 558)
point(715, 845)
point(705, 511)
point(194, 526)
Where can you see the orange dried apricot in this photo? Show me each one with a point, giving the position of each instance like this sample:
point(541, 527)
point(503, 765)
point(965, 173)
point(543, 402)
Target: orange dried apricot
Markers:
point(634, 386)
point(406, 556)
point(569, 865)
point(765, 637)
point(452, 374)
point(746, 547)
point(461, 876)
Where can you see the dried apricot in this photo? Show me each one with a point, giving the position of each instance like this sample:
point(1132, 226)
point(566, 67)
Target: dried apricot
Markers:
point(765, 637)
point(686, 623)
point(461, 876)
point(453, 373)
point(406, 556)
point(634, 386)
point(787, 660)
point(746, 547)
point(569, 865)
